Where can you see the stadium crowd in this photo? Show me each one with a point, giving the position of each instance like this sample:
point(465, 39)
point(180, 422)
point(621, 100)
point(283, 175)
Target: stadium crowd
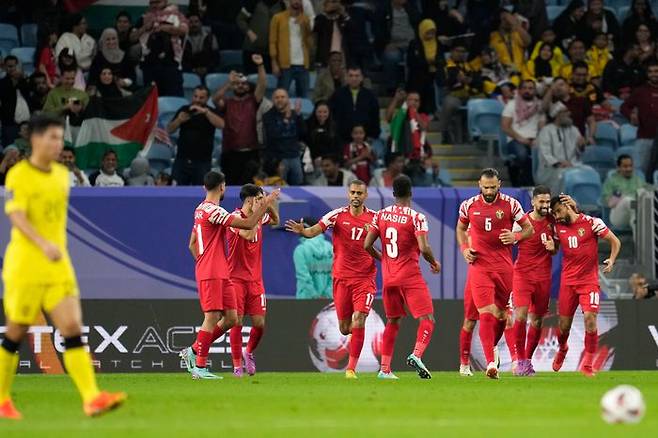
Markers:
point(559, 78)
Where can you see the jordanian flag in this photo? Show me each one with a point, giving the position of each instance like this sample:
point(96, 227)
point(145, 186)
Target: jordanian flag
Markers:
point(124, 125)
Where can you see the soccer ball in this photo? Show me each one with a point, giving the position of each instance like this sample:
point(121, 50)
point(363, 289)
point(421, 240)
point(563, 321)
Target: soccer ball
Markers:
point(623, 404)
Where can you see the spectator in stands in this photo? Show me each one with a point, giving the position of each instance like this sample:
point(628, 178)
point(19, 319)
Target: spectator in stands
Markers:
point(542, 68)
point(197, 123)
point(462, 83)
point(284, 129)
point(139, 173)
point(510, 41)
point(405, 118)
point(623, 73)
point(240, 144)
point(645, 41)
point(79, 43)
point(641, 109)
point(107, 175)
point(521, 121)
point(64, 100)
point(161, 32)
point(321, 135)
point(395, 25)
point(394, 166)
point(577, 53)
point(254, 21)
point(549, 37)
point(14, 95)
point(358, 156)
point(619, 190)
point(106, 86)
point(535, 12)
point(38, 91)
point(221, 17)
point(164, 180)
point(447, 20)
point(566, 24)
point(111, 56)
point(425, 64)
point(123, 24)
point(44, 56)
point(597, 19)
point(329, 28)
point(332, 175)
point(273, 173)
point(22, 142)
point(640, 13)
point(77, 176)
point(201, 53)
point(598, 55)
point(353, 104)
point(313, 259)
point(356, 35)
point(290, 44)
point(560, 145)
point(10, 156)
point(492, 71)
point(641, 288)
point(66, 60)
point(331, 78)
point(578, 102)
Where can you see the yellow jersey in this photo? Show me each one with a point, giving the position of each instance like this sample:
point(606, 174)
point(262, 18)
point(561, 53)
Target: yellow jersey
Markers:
point(43, 197)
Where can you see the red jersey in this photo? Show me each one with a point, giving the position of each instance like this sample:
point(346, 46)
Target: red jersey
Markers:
point(210, 222)
point(533, 261)
point(245, 260)
point(486, 222)
point(350, 259)
point(397, 228)
point(579, 243)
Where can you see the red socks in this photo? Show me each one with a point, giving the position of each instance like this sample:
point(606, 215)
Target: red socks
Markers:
point(488, 324)
point(465, 346)
point(591, 342)
point(533, 340)
point(499, 329)
point(254, 338)
point(388, 343)
point(562, 339)
point(510, 340)
point(519, 335)
point(217, 332)
point(201, 346)
point(423, 336)
point(356, 344)
point(236, 346)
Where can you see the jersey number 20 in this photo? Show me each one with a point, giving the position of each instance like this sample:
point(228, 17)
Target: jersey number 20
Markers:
point(392, 245)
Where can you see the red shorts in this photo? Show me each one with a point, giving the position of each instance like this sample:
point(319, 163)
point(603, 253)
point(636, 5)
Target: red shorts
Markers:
point(533, 294)
point(490, 288)
point(470, 311)
point(587, 296)
point(249, 297)
point(353, 295)
point(416, 296)
point(216, 294)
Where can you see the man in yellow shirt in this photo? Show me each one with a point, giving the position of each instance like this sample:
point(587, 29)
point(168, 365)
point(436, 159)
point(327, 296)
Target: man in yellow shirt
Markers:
point(577, 53)
point(510, 41)
point(37, 271)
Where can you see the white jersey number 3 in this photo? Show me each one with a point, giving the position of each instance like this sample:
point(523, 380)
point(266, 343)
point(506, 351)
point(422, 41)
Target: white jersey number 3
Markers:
point(392, 245)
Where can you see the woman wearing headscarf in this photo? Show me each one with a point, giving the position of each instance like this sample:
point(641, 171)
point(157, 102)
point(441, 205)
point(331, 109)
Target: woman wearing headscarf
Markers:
point(424, 64)
point(106, 85)
point(566, 24)
point(597, 19)
point(111, 56)
point(640, 13)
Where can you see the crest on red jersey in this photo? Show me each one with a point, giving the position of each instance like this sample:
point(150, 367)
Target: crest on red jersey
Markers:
point(581, 232)
point(500, 214)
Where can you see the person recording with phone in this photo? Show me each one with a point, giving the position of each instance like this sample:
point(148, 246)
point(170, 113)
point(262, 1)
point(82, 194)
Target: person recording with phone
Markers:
point(64, 100)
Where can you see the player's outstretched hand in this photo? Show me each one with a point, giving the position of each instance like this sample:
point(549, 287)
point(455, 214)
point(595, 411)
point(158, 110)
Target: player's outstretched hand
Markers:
point(436, 267)
point(608, 266)
point(549, 244)
point(295, 227)
point(470, 255)
point(507, 237)
point(272, 197)
point(51, 251)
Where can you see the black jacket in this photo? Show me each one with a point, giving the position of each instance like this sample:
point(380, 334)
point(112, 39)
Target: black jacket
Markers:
point(384, 22)
point(324, 29)
point(207, 57)
point(8, 98)
point(346, 114)
point(617, 75)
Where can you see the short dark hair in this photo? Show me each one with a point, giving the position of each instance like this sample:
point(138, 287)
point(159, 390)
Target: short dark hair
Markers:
point(203, 88)
point(40, 122)
point(490, 172)
point(123, 13)
point(213, 179)
point(358, 182)
point(623, 157)
point(69, 149)
point(555, 200)
point(193, 13)
point(36, 75)
point(528, 81)
point(574, 41)
point(358, 125)
point(11, 58)
point(541, 190)
point(579, 64)
point(74, 20)
point(109, 152)
point(354, 67)
point(402, 187)
point(392, 157)
point(271, 166)
point(250, 191)
point(332, 157)
point(68, 68)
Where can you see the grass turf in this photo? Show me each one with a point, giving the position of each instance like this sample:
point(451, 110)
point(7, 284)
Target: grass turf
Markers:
point(314, 404)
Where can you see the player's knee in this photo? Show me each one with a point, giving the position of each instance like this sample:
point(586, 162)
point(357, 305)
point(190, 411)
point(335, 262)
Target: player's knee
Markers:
point(70, 329)
point(564, 324)
point(230, 320)
point(259, 323)
point(359, 320)
point(590, 322)
point(429, 317)
point(521, 314)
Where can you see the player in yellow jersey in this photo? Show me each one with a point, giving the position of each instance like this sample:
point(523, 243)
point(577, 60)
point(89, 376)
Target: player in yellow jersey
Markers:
point(37, 272)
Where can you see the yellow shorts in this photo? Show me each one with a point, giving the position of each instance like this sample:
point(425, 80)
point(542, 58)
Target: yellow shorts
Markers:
point(23, 301)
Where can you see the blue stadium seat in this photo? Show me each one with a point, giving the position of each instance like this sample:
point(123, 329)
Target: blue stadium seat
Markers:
point(554, 11)
point(190, 81)
point(307, 107)
point(584, 185)
point(215, 80)
point(627, 134)
point(171, 103)
point(622, 13)
point(230, 60)
point(484, 118)
point(271, 81)
point(606, 135)
point(26, 56)
point(29, 35)
point(601, 158)
point(8, 36)
point(159, 156)
point(655, 178)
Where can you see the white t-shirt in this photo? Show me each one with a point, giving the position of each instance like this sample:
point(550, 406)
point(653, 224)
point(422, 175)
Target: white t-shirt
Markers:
point(22, 111)
point(104, 180)
point(296, 49)
point(83, 48)
point(529, 128)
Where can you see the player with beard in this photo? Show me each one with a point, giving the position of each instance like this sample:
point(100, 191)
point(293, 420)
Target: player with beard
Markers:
point(354, 270)
point(208, 247)
point(577, 235)
point(491, 216)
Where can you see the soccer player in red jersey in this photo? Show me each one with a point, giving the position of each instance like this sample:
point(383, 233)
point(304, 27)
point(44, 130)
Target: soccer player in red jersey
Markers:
point(245, 264)
point(491, 216)
point(403, 232)
point(354, 271)
point(577, 235)
point(208, 247)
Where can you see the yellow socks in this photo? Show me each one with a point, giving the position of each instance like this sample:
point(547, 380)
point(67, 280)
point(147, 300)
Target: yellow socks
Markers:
point(78, 364)
point(8, 363)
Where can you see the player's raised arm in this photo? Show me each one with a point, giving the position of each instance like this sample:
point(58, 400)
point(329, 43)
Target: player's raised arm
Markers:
point(368, 243)
point(251, 221)
point(19, 220)
point(299, 228)
point(615, 246)
point(273, 211)
point(194, 248)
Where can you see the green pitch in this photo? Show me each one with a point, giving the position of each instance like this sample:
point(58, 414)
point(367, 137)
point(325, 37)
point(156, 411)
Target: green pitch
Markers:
point(311, 405)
